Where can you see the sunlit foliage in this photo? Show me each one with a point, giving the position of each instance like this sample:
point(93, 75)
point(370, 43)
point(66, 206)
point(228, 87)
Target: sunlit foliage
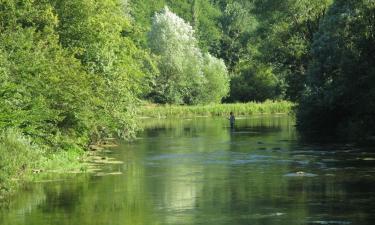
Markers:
point(183, 77)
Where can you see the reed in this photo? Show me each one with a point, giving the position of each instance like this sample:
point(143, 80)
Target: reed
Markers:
point(239, 109)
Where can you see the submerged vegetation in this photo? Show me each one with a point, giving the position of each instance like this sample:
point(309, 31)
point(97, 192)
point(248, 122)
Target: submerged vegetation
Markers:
point(74, 72)
point(239, 109)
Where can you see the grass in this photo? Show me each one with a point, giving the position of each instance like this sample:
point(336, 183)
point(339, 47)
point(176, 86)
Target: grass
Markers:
point(17, 156)
point(239, 109)
point(20, 159)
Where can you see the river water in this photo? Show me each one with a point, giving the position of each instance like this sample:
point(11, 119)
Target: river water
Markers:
point(199, 171)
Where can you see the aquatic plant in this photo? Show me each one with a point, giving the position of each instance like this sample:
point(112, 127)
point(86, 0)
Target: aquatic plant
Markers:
point(239, 109)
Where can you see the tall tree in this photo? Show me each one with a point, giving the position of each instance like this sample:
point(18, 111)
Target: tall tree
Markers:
point(181, 78)
point(97, 33)
point(44, 90)
point(203, 16)
point(286, 35)
point(237, 23)
point(69, 68)
point(341, 78)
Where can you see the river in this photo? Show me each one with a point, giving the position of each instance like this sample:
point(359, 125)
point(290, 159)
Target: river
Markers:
point(199, 171)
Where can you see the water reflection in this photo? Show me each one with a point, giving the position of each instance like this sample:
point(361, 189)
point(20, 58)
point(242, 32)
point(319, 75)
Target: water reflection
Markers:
point(200, 172)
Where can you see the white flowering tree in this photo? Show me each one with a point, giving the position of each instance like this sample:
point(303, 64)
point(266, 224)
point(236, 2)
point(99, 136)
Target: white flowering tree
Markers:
point(181, 78)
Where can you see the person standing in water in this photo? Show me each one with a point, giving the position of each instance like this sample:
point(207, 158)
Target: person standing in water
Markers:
point(231, 120)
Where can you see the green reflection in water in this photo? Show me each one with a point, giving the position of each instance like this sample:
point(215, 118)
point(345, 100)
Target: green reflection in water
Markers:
point(200, 172)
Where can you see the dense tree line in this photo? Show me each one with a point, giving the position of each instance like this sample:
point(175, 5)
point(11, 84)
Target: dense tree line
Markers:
point(340, 92)
point(74, 70)
point(69, 70)
point(317, 53)
point(266, 45)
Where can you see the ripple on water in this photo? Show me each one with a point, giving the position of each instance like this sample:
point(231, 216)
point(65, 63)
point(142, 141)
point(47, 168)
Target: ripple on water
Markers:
point(330, 160)
point(262, 216)
point(368, 159)
point(300, 174)
point(170, 156)
point(239, 162)
point(330, 222)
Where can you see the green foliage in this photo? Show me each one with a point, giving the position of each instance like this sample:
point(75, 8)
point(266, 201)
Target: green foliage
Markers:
point(20, 157)
point(239, 109)
point(82, 69)
point(340, 92)
point(287, 30)
point(26, 14)
point(237, 23)
point(255, 82)
point(274, 34)
point(98, 33)
point(217, 80)
point(69, 160)
point(206, 24)
point(40, 94)
point(70, 74)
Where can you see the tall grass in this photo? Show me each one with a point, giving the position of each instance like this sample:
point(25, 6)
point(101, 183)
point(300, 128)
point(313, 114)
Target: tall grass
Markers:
point(20, 158)
point(17, 157)
point(239, 109)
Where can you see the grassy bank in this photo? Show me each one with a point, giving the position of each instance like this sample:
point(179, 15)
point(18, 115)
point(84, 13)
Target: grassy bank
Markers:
point(20, 159)
point(239, 109)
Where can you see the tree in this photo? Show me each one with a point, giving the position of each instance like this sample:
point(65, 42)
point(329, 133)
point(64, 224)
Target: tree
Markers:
point(255, 82)
point(237, 23)
point(340, 91)
point(98, 33)
point(203, 15)
point(69, 68)
point(287, 29)
point(181, 79)
point(206, 22)
point(44, 91)
point(217, 85)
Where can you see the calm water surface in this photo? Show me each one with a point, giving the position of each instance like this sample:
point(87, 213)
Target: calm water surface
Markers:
point(200, 172)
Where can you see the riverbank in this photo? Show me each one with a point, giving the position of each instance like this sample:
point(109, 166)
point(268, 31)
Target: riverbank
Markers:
point(21, 158)
point(239, 109)
point(21, 161)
